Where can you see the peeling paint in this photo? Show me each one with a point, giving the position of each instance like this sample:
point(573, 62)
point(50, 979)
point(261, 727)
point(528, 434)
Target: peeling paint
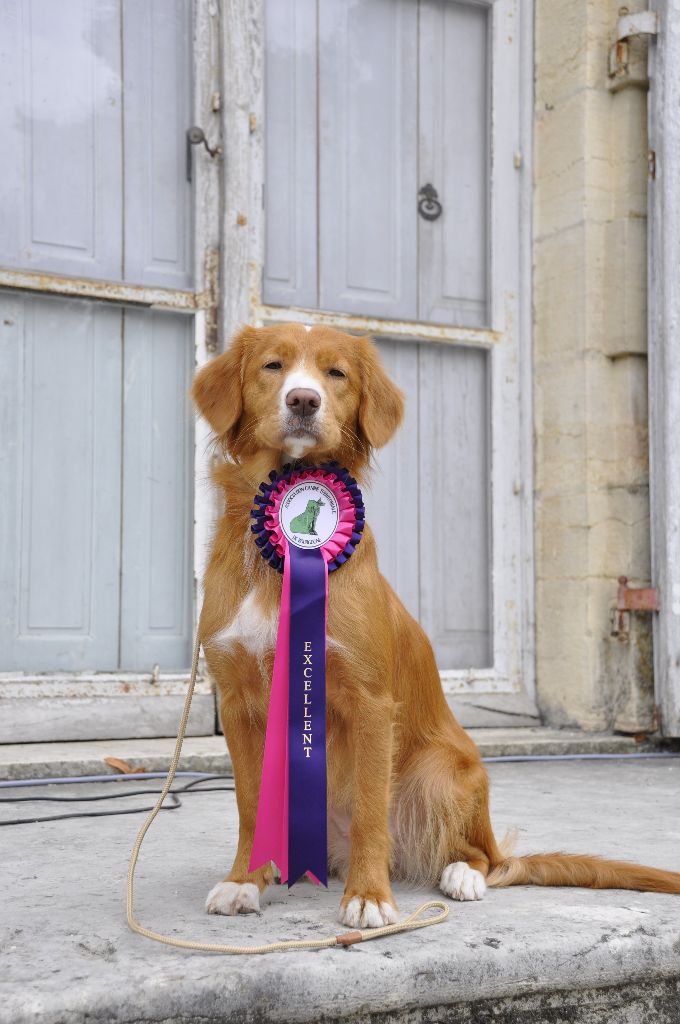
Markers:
point(103, 291)
point(16, 686)
point(398, 329)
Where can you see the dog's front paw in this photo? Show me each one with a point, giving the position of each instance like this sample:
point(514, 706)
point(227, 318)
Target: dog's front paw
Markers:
point(233, 898)
point(461, 882)
point(357, 912)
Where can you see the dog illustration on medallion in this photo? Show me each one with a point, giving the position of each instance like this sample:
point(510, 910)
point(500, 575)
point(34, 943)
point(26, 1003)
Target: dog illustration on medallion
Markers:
point(306, 521)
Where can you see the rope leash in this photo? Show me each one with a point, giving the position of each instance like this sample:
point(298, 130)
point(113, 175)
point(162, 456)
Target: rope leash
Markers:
point(410, 923)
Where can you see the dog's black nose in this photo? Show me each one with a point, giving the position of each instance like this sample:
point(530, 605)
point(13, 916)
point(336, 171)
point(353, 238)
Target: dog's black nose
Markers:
point(303, 401)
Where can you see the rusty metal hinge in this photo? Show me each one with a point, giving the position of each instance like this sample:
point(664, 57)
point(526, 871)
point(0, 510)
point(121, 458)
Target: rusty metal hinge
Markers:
point(625, 69)
point(631, 599)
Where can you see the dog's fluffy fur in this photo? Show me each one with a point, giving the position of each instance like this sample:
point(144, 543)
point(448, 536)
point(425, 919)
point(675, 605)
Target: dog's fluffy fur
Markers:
point(408, 794)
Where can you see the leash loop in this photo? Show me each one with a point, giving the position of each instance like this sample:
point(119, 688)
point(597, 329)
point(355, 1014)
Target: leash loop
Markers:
point(410, 923)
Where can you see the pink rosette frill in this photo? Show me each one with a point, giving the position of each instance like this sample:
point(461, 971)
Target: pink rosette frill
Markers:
point(269, 535)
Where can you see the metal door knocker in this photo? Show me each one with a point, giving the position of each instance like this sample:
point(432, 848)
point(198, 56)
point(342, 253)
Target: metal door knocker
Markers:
point(429, 206)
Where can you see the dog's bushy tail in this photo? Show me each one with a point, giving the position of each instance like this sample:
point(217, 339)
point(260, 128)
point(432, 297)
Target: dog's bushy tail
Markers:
point(581, 870)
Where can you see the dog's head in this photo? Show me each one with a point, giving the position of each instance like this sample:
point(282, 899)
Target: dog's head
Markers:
point(298, 393)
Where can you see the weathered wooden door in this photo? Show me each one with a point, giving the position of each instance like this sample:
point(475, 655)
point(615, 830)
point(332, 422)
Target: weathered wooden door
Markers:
point(97, 348)
point(664, 356)
point(395, 151)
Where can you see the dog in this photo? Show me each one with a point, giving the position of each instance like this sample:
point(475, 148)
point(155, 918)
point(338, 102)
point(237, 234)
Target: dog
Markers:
point(306, 521)
point(408, 795)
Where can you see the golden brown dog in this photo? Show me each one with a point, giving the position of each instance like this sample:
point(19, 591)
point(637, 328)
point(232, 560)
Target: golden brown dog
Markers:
point(407, 792)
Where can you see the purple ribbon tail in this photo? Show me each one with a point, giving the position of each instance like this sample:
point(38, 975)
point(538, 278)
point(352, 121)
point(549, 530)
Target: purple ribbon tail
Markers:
point(307, 813)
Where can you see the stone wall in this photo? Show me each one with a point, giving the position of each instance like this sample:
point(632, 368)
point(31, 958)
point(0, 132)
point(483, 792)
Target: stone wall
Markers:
point(590, 371)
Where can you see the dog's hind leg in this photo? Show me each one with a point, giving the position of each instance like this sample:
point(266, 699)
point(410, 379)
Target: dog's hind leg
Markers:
point(440, 822)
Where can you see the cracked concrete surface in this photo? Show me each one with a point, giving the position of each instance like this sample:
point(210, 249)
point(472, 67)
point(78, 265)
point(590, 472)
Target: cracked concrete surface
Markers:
point(521, 954)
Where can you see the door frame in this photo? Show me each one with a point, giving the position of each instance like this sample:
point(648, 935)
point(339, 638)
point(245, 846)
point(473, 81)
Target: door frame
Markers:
point(39, 707)
point(508, 340)
point(664, 356)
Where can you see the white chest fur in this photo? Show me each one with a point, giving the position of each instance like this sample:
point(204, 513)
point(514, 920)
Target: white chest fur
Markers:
point(252, 628)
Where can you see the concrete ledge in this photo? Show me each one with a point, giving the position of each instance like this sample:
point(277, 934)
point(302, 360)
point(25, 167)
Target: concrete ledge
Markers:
point(208, 753)
point(59, 760)
point(520, 955)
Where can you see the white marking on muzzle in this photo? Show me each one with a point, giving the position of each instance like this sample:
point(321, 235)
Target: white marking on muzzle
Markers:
point(299, 378)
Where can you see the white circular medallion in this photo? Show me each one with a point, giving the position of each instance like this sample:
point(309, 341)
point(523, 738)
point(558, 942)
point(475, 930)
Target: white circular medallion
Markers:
point(309, 514)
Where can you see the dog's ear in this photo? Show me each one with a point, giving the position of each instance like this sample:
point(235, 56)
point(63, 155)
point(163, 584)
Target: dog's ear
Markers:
point(381, 408)
point(217, 387)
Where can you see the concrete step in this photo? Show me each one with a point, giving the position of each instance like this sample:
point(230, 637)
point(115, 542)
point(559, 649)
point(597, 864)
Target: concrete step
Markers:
point(539, 955)
point(209, 754)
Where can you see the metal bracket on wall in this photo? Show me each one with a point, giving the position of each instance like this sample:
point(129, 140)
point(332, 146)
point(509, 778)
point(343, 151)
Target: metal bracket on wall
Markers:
point(631, 599)
point(196, 137)
point(626, 68)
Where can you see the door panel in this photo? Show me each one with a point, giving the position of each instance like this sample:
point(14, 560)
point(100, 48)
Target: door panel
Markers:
point(98, 528)
point(157, 47)
point(156, 598)
point(60, 488)
point(429, 501)
point(454, 498)
point(390, 506)
point(403, 101)
point(290, 276)
point(79, 110)
point(453, 118)
point(61, 151)
point(368, 157)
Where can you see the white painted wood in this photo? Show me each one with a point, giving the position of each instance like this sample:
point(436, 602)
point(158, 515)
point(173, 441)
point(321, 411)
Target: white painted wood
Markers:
point(368, 157)
point(429, 500)
point(402, 330)
point(60, 487)
point(664, 358)
point(165, 363)
point(208, 84)
point(243, 237)
point(524, 356)
point(510, 471)
point(290, 28)
point(101, 291)
point(61, 166)
point(454, 503)
point(506, 338)
point(74, 685)
point(454, 108)
point(157, 37)
point(395, 521)
point(156, 590)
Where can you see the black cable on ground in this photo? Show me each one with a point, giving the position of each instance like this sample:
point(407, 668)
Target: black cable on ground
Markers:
point(172, 795)
point(189, 786)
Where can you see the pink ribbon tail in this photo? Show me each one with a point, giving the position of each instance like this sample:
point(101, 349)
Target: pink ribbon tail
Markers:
point(270, 841)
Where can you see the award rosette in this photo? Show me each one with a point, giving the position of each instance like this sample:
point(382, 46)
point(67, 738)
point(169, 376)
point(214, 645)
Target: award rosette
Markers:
point(307, 523)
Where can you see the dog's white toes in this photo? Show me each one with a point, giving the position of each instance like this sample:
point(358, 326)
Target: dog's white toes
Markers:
point(361, 913)
point(461, 882)
point(231, 898)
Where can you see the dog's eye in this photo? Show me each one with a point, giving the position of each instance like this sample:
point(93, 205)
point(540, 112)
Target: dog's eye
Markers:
point(334, 372)
point(274, 365)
